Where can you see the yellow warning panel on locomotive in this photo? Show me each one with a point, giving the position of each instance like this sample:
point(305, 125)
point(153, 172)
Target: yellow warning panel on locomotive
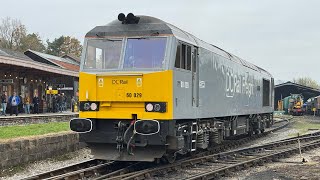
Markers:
point(120, 88)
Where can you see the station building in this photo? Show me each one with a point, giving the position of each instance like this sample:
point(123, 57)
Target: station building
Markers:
point(32, 72)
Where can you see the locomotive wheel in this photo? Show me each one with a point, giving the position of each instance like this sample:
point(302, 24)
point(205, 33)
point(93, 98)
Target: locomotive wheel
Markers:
point(250, 133)
point(169, 158)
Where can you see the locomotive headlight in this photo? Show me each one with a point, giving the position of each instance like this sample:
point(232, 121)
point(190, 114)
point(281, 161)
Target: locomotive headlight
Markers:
point(157, 107)
point(147, 127)
point(149, 107)
point(160, 107)
point(89, 106)
point(81, 125)
point(93, 106)
point(86, 106)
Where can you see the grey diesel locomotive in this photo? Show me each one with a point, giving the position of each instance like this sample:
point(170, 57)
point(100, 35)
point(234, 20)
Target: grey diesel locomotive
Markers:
point(150, 91)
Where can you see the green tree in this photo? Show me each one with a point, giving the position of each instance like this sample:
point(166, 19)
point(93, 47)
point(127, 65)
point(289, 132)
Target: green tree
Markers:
point(307, 81)
point(71, 46)
point(33, 42)
point(54, 47)
point(64, 45)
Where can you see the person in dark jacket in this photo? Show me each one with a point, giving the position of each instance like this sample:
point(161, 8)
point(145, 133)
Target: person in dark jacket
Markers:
point(20, 106)
point(54, 104)
point(4, 101)
point(14, 102)
point(35, 102)
point(73, 103)
point(58, 102)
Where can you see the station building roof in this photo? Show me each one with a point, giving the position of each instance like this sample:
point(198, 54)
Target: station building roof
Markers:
point(40, 61)
point(285, 89)
point(65, 63)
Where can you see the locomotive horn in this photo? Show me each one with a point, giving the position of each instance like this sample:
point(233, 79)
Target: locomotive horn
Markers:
point(121, 17)
point(132, 19)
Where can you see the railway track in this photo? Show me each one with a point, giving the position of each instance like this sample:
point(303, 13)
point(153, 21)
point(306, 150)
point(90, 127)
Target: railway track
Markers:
point(90, 169)
point(217, 165)
point(99, 169)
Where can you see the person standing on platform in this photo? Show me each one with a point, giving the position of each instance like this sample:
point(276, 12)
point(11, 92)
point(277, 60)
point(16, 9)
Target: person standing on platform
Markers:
point(59, 101)
point(35, 102)
point(20, 106)
point(50, 109)
point(73, 103)
point(65, 102)
point(54, 103)
point(4, 100)
point(27, 104)
point(14, 101)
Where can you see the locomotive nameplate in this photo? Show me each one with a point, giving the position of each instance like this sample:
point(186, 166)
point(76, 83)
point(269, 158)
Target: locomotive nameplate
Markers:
point(119, 81)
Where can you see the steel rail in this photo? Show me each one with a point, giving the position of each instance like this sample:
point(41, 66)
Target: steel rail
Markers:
point(254, 161)
point(73, 167)
point(226, 158)
point(100, 169)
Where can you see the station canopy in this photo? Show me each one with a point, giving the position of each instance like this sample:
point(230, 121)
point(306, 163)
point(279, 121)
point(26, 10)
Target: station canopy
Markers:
point(285, 89)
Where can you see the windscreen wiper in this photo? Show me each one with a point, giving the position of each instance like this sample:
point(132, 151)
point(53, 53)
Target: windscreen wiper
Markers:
point(107, 39)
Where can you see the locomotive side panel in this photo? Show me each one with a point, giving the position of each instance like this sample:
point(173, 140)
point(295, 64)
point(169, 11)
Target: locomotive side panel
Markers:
point(228, 88)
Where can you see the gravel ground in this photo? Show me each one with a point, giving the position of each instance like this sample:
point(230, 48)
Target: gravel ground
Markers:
point(46, 165)
point(286, 169)
point(281, 170)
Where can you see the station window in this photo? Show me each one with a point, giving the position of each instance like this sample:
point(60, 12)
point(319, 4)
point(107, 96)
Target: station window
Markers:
point(266, 92)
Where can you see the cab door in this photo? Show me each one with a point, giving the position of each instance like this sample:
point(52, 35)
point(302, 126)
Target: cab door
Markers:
point(195, 77)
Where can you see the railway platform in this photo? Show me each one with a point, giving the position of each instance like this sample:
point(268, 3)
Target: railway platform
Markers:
point(23, 119)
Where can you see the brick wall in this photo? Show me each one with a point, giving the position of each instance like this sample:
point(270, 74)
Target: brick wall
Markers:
point(15, 152)
point(21, 120)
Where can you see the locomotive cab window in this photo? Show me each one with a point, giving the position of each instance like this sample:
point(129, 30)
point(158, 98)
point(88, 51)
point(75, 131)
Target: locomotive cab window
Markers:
point(266, 92)
point(145, 53)
point(178, 55)
point(183, 57)
point(188, 66)
point(103, 54)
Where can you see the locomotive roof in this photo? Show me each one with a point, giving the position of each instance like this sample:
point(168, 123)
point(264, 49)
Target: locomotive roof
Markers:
point(149, 26)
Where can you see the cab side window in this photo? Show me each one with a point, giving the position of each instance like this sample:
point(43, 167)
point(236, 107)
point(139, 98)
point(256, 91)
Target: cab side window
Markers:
point(178, 55)
point(183, 57)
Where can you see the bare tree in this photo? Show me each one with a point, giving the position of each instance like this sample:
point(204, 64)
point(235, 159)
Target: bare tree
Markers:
point(307, 81)
point(11, 33)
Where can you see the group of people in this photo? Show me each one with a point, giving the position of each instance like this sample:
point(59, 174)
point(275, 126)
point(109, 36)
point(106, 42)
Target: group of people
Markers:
point(15, 101)
point(57, 103)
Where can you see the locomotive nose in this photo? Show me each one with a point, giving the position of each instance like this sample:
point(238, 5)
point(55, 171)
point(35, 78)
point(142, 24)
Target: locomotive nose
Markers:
point(81, 125)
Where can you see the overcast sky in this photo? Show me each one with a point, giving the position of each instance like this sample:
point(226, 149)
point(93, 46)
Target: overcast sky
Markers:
point(281, 36)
